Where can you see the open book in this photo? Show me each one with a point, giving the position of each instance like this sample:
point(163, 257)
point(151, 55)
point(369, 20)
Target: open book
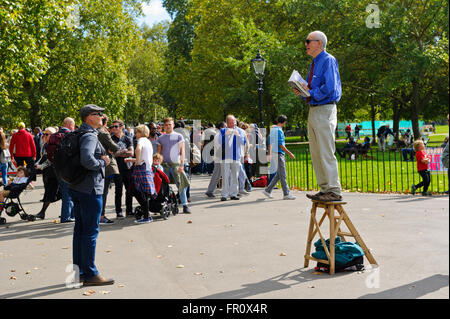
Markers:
point(295, 81)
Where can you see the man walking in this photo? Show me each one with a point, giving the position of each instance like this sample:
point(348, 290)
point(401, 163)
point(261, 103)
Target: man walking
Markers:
point(277, 150)
point(324, 86)
point(87, 197)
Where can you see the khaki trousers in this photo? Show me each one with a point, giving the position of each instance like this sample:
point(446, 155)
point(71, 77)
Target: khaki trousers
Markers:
point(322, 121)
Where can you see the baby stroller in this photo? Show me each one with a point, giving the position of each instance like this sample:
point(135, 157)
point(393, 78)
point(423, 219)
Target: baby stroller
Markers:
point(165, 201)
point(12, 208)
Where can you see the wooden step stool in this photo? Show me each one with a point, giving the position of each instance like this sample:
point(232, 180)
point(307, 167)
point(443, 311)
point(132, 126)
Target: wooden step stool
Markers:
point(335, 230)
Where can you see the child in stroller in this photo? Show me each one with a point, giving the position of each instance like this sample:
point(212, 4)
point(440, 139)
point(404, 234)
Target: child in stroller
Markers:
point(166, 200)
point(13, 191)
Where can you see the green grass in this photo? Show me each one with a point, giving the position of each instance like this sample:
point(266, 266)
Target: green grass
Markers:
point(442, 129)
point(380, 172)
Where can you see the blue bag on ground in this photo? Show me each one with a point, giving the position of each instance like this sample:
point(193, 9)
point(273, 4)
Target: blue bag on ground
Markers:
point(344, 252)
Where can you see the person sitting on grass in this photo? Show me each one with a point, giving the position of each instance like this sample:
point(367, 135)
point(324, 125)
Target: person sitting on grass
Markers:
point(423, 160)
point(348, 149)
point(14, 186)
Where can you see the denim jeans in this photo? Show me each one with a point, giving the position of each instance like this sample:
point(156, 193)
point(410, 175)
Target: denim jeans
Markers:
point(4, 171)
point(87, 209)
point(66, 202)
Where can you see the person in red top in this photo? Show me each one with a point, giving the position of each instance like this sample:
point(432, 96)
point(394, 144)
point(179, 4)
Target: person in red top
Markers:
point(348, 131)
point(22, 147)
point(423, 160)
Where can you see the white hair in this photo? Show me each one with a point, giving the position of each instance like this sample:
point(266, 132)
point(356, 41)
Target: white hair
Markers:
point(319, 35)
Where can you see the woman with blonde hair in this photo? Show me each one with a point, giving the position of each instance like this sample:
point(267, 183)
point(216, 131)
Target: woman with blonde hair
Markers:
point(142, 175)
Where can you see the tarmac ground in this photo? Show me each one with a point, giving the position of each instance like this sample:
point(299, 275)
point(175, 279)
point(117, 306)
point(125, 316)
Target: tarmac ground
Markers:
point(248, 249)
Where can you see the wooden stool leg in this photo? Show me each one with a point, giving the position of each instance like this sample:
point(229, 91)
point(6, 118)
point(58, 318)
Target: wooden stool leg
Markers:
point(358, 239)
point(310, 234)
point(330, 209)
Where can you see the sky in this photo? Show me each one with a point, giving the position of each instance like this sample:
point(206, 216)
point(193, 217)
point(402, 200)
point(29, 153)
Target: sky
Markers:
point(153, 13)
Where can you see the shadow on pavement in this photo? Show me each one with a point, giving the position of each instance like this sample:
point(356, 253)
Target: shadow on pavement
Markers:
point(49, 230)
point(412, 290)
point(37, 292)
point(284, 281)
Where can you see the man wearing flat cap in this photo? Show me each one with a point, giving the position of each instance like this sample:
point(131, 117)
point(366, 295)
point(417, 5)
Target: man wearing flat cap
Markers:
point(87, 197)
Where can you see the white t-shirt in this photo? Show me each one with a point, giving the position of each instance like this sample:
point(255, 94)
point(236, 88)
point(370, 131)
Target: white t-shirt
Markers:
point(20, 180)
point(146, 152)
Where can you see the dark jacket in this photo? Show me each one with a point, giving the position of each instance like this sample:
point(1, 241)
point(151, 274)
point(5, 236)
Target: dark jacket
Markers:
point(109, 145)
point(91, 152)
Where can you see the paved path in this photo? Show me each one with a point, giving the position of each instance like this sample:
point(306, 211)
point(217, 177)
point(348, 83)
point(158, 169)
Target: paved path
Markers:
point(252, 248)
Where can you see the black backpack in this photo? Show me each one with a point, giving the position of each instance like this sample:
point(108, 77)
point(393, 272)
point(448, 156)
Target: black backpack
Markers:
point(66, 158)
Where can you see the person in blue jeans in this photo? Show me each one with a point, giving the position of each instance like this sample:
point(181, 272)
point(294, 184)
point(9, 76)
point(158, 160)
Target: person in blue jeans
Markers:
point(87, 197)
point(3, 158)
point(277, 150)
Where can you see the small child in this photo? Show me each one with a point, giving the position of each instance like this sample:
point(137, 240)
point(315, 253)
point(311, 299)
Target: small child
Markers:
point(12, 187)
point(157, 160)
point(423, 160)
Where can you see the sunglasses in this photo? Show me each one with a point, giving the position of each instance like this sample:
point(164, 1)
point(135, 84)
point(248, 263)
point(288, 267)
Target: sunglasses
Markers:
point(99, 114)
point(116, 126)
point(46, 134)
point(308, 41)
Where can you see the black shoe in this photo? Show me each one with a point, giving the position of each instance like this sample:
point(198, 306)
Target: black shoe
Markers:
point(186, 209)
point(120, 216)
point(210, 195)
point(223, 199)
point(130, 214)
point(234, 198)
point(105, 221)
point(40, 215)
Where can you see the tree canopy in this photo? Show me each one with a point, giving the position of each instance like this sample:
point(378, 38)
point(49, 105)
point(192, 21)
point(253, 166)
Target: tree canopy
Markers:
point(57, 55)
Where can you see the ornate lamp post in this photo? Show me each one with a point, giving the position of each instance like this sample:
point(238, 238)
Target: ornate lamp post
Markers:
point(259, 65)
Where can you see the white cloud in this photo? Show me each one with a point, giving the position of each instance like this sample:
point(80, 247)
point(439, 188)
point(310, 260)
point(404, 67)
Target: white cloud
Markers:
point(153, 13)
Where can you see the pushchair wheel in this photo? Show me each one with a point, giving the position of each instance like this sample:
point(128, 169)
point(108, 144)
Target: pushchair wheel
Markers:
point(31, 218)
point(138, 212)
point(165, 212)
point(175, 209)
point(24, 216)
point(2, 220)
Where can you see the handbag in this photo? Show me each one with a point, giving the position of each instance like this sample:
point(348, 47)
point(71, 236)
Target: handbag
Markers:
point(5, 156)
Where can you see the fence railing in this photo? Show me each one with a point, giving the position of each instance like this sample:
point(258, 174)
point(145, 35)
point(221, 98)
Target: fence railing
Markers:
point(375, 172)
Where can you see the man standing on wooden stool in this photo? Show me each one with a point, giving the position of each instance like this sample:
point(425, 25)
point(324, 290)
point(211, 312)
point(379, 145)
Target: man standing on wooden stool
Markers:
point(324, 86)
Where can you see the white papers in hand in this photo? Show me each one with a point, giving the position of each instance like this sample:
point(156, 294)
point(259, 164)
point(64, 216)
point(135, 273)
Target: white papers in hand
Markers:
point(296, 82)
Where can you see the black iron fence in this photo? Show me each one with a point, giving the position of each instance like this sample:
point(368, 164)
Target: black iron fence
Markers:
point(374, 172)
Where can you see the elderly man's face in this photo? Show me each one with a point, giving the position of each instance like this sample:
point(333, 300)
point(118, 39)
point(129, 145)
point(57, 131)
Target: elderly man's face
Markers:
point(314, 47)
point(231, 121)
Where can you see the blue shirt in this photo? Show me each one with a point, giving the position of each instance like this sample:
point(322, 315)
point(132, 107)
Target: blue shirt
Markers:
point(326, 82)
point(276, 139)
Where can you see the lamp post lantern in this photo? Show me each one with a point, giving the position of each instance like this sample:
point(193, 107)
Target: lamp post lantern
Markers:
point(259, 64)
